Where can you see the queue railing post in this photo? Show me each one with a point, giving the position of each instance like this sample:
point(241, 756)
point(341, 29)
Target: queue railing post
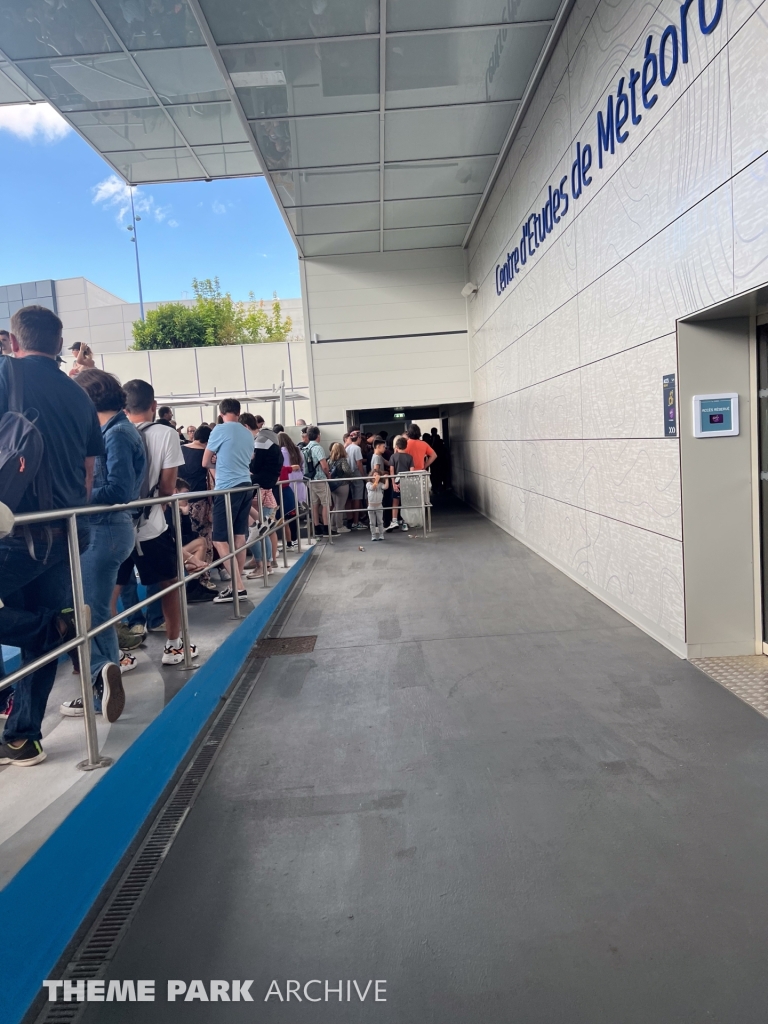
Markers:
point(233, 560)
point(326, 484)
point(94, 760)
point(286, 529)
point(264, 566)
point(298, 519)
point(424, 494)
point(182, 591)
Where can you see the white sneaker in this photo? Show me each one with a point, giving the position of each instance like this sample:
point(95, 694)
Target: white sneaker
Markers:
point(393, 525)
point(128, 662)
point(404, 527)
point(173, 654)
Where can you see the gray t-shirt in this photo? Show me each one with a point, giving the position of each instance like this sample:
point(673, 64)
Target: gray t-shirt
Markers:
point(355, 455)
point(402, 462)
point(381, 462)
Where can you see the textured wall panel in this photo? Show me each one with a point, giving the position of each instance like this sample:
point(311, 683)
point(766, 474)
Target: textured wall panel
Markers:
point(567, 363)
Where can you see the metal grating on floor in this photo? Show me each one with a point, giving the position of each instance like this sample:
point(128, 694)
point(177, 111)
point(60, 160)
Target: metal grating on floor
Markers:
point(271, 646)
point(746, 676)
point(93, 956)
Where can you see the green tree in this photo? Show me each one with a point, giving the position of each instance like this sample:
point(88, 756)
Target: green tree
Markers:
point(214, 319)
point(264, 325)
point(222, 318)
point(170, 326)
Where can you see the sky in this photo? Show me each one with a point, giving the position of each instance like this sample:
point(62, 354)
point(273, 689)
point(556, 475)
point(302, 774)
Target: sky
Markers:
point(65, 214)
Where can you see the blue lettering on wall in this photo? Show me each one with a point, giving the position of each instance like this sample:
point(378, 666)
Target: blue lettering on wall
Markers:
point(621, 113)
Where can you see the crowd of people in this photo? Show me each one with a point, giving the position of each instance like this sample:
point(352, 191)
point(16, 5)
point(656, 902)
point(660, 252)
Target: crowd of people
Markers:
point(106, 444)
point(360, 484)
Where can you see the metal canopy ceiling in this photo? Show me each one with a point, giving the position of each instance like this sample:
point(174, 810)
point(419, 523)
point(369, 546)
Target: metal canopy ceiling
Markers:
point(377, 123)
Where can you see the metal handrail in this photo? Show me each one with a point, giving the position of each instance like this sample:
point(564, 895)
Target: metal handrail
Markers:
point(84, 635)
point(425, 506)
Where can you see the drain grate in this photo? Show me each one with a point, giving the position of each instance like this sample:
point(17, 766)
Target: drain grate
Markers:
point(271, 646)
point(95, 953)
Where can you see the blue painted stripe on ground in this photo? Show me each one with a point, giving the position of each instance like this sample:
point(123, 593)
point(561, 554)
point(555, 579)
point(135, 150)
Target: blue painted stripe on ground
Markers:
point(47, 901)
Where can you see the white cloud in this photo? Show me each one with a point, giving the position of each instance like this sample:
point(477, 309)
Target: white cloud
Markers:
point(37, 121)
point(218, 207)
point(114, 194)
point(173, 223)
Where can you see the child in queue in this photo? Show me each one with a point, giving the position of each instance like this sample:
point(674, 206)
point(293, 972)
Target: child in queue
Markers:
point(375, 489)
point(401, 462)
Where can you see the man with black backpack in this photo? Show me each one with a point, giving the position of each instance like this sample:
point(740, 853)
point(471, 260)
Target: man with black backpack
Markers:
point(46, 462)
point(317, 474)
point(155, 553)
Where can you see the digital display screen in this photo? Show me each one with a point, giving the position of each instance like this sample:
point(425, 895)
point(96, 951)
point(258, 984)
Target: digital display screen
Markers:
point(716, 415)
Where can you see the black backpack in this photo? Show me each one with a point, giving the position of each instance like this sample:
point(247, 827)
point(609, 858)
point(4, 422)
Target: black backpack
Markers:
point(24, 467)
point(310, 466)
point(339, 476)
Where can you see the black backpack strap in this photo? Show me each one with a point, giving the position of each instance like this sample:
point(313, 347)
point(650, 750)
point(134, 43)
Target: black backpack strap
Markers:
point(42, 486)
point(16, 385)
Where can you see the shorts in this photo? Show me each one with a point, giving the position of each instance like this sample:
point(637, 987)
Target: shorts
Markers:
point(356, 489)
point(156, 563)
point(241, 508)
point(319, 494)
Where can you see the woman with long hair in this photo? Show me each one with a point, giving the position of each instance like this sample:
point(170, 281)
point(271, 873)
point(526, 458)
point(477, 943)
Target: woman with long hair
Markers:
point(293, 471)
point(341, 472)
point(198, 478)
point(116, 481)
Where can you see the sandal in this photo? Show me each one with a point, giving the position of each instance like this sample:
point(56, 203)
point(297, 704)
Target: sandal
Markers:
point(256, 574)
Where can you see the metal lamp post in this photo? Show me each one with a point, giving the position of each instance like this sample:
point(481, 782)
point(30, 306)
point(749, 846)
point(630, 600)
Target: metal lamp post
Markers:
point(135, 240)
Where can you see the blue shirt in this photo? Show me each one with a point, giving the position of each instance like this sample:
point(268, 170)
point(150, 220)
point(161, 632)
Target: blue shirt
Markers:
point(117, 475)
point(67, 420)
point(233, 445)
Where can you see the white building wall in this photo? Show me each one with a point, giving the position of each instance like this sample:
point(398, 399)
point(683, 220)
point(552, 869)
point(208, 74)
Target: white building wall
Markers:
point(218, 371)
point(565, 447)
point(390, 329)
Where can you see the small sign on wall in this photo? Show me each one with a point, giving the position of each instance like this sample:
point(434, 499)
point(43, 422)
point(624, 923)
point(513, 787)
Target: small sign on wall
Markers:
point(716, 415)
point(670, 406)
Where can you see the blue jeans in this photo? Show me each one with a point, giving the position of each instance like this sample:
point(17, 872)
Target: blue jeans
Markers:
point(33, 591)
point(7, 693)
point(151, 615)
point(289, 507)
point(111, 543)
